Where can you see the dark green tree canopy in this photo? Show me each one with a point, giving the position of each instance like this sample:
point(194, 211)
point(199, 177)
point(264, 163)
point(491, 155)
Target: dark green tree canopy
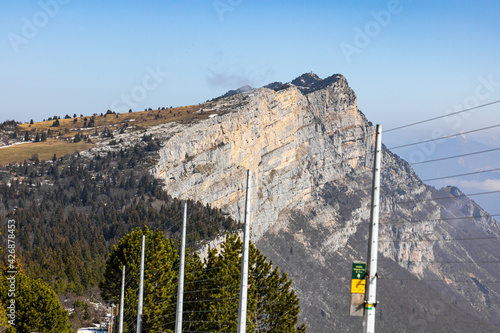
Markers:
point(211, 290)
point(37, 307)
point(161, 272)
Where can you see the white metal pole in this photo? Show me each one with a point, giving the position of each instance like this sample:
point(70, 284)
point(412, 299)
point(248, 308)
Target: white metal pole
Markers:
point(370, 296)
point(242, 310)
point(110, 327)
point(180, 290)
point(141, 287)
point(122, 302)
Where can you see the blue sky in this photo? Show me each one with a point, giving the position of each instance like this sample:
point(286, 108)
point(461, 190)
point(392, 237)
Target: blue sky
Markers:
point(419, 61)
point(406, 60)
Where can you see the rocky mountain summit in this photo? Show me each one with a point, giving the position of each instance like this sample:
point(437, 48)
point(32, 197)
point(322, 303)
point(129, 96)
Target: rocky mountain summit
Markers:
point(306, 83)
point(309, 149)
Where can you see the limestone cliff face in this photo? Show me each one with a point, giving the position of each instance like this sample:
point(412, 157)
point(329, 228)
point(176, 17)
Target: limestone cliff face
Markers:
point(310, 153)
point(295, 144)
point(292, 143)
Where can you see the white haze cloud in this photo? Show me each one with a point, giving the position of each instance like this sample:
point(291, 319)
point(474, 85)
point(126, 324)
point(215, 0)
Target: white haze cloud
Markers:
point(232, 81)
point(480, 185)
point(231, 77)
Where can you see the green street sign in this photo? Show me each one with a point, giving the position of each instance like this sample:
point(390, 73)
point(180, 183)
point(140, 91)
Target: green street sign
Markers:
point(358, 281)
point(358, 270)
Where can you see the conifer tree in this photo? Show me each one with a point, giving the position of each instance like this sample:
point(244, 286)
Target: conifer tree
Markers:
point(272, 305)
point(37, 307)
point(211, 291)
point(161, 259)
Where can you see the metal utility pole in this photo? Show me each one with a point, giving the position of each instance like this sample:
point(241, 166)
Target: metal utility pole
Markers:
point(372, 276)
point(180, 289)
point(110, 328)
point(122, 302)
point(141, 287)
point(242, 310)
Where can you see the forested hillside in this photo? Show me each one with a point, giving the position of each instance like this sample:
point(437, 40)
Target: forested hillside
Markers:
point(72, 210)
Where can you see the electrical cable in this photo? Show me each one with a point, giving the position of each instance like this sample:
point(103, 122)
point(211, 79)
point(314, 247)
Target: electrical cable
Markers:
point(422, 181)
point(439, 219)
point(429, 240)
point(444, 137)
point(461, 175)
point(443, 262)
point(440, 240)
point(452, 197)
point(439, 117)
point(436, 280)
point(456, 156)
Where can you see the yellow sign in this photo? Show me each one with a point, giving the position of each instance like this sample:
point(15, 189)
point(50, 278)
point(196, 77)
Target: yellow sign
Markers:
point(358, 286)
point(358, 281)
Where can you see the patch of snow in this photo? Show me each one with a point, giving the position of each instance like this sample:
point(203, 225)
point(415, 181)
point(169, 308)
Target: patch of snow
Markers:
point(15, 144)
point(91, 330)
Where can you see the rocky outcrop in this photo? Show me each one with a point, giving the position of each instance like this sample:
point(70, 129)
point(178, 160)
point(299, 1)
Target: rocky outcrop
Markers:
point(290, 142)
point(310, 153)
point(237, 91)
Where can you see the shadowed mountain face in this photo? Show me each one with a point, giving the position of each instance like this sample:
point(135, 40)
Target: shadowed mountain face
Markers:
point(307, 80)
point(310, 152)
point(237, 91)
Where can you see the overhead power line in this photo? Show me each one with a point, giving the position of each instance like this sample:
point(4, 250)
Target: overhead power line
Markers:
point(439, 117)
point(442, 262)
point(445, 137)
point(439, 240)
point(461, 175)
point(434, 280)
point(389, 223)
point(456, 156)
point(452, 197)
